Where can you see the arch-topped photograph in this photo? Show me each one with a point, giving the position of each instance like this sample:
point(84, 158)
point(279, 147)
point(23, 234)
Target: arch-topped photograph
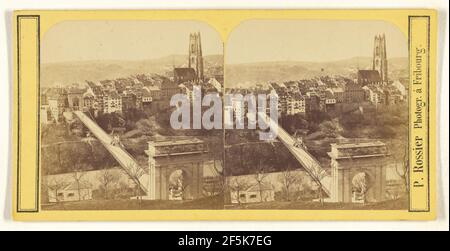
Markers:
point(106, 90)
point(342, 101)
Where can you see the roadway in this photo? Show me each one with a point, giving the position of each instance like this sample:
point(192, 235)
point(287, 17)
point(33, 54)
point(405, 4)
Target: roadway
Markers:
point(129, 164)
point(126, 161)
point(308, 162)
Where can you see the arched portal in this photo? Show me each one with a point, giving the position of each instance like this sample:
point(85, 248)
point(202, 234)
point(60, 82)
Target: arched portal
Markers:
point(178, 183)
point(176, 168)
point(358, 171)
point(361, 184)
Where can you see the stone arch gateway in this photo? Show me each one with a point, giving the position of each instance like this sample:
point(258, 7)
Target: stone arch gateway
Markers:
point(168, 156)
point(358, 162)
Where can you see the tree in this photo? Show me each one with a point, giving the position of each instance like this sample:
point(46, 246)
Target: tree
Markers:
point(288, 178)
point(136, 172)
point(217, 152)
point(58, 154)
point(238, 185)
point(260, 175)
point(107, 121)
point(316, 174)
point(329, 129)
point(402, 169)
point(107, 178)
point(54, 186)
point(78, 177)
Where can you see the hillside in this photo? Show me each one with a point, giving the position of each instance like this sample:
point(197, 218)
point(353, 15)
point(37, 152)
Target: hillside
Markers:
point(240, 74)
point(66, 73)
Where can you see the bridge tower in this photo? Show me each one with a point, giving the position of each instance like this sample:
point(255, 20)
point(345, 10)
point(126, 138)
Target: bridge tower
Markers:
point(176, 168)
point(358, 171)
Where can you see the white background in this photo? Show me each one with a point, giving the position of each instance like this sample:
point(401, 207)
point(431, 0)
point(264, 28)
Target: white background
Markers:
point(7, 6)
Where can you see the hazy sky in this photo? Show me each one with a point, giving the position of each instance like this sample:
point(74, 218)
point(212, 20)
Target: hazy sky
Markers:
point(310, 40)
point(124, 40)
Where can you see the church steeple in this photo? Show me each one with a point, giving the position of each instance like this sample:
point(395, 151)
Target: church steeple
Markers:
point(380, 62)
point(195, 55)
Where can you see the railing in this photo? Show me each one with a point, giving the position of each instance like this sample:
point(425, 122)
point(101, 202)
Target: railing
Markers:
point(96, 130)
point(309, 162)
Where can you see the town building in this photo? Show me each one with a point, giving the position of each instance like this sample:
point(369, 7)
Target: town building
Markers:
point(155, 92)
point(313, 103)
point(338, 93)
point(182, 75)
point(138, 92)
point(97, 91)
point(353, 93)
point(369, 77)
point(330, 99)
point(374, 94)
point(283, 103)
point(57, 102)
point(112, 102)
point(263, 192)
point(64, 187)
point(400, 87)
point(70, 192)
point(392, 95)
point(215, 85)
point(88, 100)
point(128, 101)
point(270, 186)
point(168, 89)
point(45, 115)
point(296, 104)
point(146, 97)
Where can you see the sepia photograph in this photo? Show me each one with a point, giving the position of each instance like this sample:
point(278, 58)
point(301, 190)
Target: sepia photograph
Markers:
point(221, 124)
point(275, 116)
point(341, 112)
point(342, 101)
point(107, 142)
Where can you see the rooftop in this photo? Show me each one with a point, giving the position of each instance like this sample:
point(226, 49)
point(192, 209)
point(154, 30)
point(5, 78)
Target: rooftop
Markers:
point(373, 75)
point(358, 149)
point(74, 186)
point(184, 71)
point(175, 141)
point(260, 187)
point(358, 144)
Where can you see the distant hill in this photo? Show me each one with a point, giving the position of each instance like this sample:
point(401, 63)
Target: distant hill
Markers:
point(66, 73)
point(242, 74)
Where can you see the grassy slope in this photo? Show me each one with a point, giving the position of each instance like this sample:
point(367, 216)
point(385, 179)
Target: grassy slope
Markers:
point(215, 202)
point(312, 205)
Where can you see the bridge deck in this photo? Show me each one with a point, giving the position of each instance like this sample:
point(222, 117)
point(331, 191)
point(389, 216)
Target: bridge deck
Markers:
point(126, 161)
point(311, 165)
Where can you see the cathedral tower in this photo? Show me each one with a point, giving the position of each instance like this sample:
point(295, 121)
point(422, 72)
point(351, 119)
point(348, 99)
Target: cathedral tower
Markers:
point(380, 63)
point(195, 55)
